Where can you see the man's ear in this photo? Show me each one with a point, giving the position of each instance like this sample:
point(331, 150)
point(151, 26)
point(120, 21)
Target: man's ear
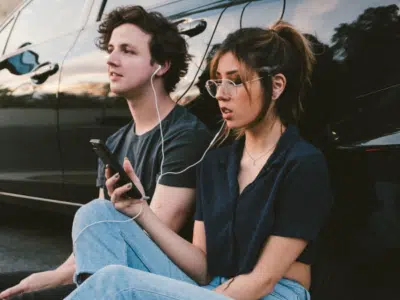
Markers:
point(164, 68)
point(278, 85)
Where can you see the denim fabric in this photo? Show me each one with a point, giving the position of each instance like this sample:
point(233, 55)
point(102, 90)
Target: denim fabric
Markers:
point(120, 282)
point(127, 264)
point(111, 243)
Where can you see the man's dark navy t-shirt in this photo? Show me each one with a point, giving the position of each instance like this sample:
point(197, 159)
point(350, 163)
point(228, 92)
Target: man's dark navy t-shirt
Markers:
point(185, 140)
point(290, 197)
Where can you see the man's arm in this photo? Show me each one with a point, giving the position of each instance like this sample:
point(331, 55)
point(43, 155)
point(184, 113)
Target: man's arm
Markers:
point(173, 205)
point(48, 279)
point(43, 280)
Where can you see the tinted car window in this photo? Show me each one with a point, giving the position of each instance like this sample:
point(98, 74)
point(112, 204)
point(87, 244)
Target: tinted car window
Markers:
point(167, 7)
point(4, 35)
point(145, 3)
point(355, 84)
point(41, 20)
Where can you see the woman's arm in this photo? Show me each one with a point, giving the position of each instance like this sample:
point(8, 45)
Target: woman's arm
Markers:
point(191, 258)
point(278, 254)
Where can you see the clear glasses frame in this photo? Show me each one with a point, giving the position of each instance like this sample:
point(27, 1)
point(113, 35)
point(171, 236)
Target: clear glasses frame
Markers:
point(229, 87)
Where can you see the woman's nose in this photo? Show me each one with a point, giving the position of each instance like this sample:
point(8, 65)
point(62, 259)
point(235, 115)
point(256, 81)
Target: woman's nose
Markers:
point(222, 95)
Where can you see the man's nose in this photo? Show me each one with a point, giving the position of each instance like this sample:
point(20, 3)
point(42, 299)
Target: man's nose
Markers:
point(112, 59)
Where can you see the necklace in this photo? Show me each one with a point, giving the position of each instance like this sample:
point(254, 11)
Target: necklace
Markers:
point(255, 159)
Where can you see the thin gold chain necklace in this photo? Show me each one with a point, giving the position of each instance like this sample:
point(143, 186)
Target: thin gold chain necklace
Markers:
point(255, 159)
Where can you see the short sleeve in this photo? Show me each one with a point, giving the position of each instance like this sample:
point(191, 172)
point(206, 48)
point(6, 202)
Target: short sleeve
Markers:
point(182, 151)
point(304, 200)
point(198, 215)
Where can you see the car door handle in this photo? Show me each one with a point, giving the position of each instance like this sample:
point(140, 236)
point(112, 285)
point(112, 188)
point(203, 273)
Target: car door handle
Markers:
point(43, 71)
point(191, 27)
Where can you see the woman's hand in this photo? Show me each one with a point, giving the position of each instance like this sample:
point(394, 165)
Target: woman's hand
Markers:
point(242, 287)
point(128, 206)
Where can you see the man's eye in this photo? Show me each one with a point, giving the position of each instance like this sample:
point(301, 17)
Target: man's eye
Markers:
point(128, 51)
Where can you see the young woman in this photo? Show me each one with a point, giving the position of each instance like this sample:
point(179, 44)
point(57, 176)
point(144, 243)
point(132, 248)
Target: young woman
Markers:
point(260, 202)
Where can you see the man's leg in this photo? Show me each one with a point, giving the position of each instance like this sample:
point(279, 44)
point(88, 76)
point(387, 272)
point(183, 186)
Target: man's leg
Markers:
point(98, 244)
point(119, 282)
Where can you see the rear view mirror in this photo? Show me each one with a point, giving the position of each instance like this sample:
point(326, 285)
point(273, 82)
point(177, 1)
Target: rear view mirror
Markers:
point(22, 63)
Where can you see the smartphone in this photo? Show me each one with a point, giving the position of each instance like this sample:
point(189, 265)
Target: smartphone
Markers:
point(108, 158)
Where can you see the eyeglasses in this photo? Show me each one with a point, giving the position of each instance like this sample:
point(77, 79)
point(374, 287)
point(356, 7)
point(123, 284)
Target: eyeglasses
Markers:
point(228, 86)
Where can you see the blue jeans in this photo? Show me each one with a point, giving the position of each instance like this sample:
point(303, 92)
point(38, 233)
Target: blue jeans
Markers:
point(127, 264)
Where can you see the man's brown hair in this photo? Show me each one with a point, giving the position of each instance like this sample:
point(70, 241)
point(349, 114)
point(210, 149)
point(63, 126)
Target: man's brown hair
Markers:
point(166, 44)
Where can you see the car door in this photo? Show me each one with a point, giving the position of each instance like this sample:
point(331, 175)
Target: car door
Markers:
point(30, 162)
point(356, 88)
point(88, 109)
point(5, 30)
point(355, 100)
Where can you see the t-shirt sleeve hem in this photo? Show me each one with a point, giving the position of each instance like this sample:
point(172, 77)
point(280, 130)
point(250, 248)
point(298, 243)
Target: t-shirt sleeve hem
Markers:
point(175, 181)
point(295, 234)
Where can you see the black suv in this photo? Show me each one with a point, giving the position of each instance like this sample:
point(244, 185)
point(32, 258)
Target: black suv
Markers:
point(54, 97)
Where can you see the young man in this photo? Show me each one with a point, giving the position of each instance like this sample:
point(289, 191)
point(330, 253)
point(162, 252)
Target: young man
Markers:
point(142, 46)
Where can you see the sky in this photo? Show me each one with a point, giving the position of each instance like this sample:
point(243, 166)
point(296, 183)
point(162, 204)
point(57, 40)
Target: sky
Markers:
point(7, 6)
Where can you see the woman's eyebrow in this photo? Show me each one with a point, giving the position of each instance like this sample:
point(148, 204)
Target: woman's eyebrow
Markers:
point(228, 73)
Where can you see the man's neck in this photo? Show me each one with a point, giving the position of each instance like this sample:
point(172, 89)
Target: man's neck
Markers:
point(144, 112)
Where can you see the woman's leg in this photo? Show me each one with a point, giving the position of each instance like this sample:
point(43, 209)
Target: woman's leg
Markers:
point(119, 282)
point(287, 289)
point(98, 244)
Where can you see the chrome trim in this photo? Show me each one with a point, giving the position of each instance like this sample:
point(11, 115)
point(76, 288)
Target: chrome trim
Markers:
point(40, 199)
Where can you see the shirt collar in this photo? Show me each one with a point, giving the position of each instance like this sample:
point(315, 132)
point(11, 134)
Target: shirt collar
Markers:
point(232, 162)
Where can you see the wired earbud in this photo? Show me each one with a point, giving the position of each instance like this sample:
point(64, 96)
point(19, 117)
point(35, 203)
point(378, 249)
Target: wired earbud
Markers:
point(155, 72)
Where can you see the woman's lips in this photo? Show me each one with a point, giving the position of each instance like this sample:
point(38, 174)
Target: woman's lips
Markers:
point(226, 113)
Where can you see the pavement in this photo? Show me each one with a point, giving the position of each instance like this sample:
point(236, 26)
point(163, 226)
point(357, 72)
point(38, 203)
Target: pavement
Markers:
point(33, 240)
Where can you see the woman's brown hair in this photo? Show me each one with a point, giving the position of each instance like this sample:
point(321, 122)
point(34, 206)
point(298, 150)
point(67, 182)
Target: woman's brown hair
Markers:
point(278, 49)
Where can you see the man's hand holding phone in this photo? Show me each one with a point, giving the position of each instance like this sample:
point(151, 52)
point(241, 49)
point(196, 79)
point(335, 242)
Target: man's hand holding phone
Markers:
point(126, 205)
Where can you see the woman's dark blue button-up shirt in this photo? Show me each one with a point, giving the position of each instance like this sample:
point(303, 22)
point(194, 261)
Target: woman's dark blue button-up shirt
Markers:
point(290, 197)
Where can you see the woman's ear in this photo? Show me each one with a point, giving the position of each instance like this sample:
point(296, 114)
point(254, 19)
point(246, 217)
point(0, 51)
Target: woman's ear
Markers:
point(278, 85)
point(164, 68)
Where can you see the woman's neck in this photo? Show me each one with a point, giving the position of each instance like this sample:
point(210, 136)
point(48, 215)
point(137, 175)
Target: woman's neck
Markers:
point(264, 136)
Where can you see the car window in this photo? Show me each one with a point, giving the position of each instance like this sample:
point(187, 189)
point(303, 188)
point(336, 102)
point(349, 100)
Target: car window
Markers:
point(41, 20)
point(4, 35)
point(145, 3)
point(168, 8)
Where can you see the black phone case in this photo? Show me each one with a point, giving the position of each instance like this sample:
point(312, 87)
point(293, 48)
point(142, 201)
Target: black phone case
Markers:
point(109, 159)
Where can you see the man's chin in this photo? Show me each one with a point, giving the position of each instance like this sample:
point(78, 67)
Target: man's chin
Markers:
point(118, 91)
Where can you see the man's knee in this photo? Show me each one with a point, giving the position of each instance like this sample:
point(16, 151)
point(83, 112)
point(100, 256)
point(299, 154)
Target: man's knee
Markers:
point(114, 273)
point(94, 211)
